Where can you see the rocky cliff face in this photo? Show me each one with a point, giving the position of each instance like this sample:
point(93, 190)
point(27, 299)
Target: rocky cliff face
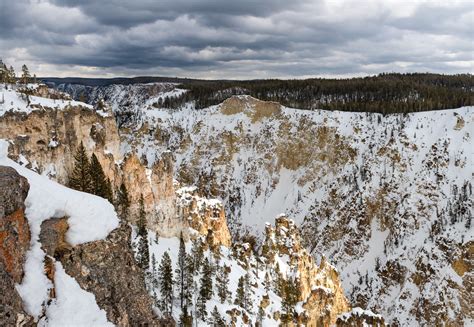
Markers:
point(45, 139)
point(203, 216)
point(14, 243)
point(105, 268)
point(387, 198)
point(319, 287)
point(360, 318)
point(321, 300)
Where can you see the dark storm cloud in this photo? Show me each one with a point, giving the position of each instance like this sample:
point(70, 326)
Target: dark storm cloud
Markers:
point(128, 13)
point(236, 39)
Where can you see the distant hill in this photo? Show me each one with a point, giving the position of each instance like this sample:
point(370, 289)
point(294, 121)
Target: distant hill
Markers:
point(385, 93)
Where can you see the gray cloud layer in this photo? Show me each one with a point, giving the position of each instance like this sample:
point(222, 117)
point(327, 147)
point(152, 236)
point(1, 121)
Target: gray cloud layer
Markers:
point(236, 39)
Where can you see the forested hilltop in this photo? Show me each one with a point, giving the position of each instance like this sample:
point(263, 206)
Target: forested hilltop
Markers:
point(385, 93)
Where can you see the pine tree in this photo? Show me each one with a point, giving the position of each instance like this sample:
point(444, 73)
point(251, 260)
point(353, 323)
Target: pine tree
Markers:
point(279, 282)
point(189, 289)
point(197, 254)
point(3, 72)
point(123, 202)
point(25, 77)
point(165, 279)
point(247, 302)
point(205, 290)
point(201, 307)
point(185, 319)
point(260, 316)
point(109, 193)
point(81, 179)
point(143, 248)
point(11, 75)
point(222, 280)
point(289, 300)
point(181, 271)
point(206, 280)
point(268, 282)
point(240, 293)
point(101, 185)
point(154, 277)
point(216, 319)
point(154, 271)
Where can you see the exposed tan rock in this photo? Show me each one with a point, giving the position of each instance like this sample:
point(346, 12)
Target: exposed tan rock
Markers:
point(319, 286)
point(205, 216)
point(265, 301)
point(43, 91)
point(253, 108)
point(53, 237)
point(14, 228)
point(48, 139)
point(156, 186)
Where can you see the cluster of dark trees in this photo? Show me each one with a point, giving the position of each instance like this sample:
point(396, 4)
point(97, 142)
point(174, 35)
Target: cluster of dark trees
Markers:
point(192, 296)
point(7, 74)
point(181, 285)
point(385, 93)
point(88, 175)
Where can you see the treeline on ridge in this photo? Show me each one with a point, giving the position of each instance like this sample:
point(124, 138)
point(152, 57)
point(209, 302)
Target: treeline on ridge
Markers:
point(385, 93)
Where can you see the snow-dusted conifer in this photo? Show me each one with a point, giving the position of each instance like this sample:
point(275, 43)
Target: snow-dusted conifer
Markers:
point(181, 271)
point(216, 319)
point(222, 280)
point(143, 248)
point(123, 201)
point(165, 279)
point(100, 183)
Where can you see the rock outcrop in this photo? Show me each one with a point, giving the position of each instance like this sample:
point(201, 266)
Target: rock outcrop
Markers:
point(105, 268)
point(319, 287)
point(155, 184)
point(46, 139)
point(253, 108)
point(14, 243)
point(204, 216)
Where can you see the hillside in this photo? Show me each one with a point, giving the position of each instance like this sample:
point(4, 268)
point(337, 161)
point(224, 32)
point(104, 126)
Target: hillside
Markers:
point(85, 261)
point(384, 93)
point(388, 198)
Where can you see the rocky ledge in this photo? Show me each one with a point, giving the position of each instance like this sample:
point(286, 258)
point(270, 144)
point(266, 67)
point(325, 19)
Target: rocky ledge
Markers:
point(14, 243)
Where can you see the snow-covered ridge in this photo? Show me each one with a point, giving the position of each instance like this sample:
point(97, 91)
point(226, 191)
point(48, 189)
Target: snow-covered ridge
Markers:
point(12, 100)
point(133, 98)
point(90, 218)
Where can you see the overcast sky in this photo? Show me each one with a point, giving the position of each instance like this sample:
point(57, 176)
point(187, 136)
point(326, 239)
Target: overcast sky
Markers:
point(236, 38)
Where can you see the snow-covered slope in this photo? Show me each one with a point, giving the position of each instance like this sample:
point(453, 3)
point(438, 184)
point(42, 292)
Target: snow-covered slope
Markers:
point(90, 218)
point(319, 297)
point(12, 100)
point(388, 197)
point(126, 101)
